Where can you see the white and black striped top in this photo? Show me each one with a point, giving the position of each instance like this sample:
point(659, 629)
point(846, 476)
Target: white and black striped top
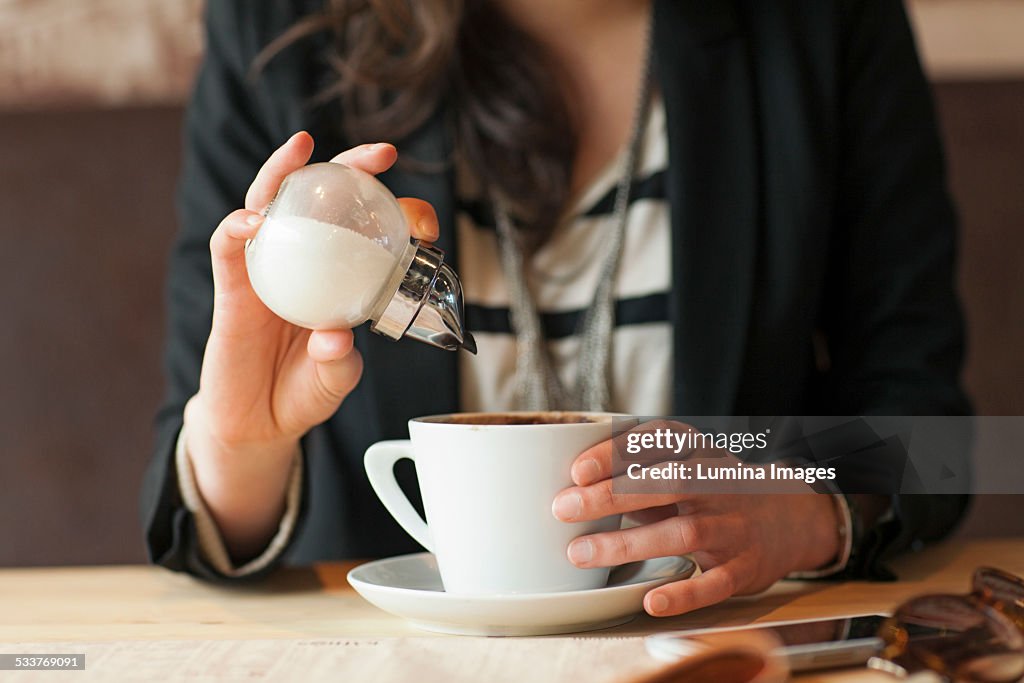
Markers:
point(563, 276)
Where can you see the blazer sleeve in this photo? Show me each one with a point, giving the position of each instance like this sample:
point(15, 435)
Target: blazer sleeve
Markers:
point(226, 140)
point(895, 332)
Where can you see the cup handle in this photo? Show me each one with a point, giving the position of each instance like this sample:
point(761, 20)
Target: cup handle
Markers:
point(379, 462)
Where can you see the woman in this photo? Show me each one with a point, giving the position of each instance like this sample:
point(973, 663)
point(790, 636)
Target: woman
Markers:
point(786, 248)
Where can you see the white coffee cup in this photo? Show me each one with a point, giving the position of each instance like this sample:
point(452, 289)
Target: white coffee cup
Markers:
point(487, 491)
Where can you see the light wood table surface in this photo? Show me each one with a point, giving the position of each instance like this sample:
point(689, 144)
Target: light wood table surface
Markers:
point(137, 603)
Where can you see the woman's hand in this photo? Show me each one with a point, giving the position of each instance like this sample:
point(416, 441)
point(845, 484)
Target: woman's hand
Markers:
point(264, 381)
point(743, 543)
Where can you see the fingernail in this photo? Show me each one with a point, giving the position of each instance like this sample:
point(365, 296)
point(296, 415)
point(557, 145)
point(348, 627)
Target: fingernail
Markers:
point(567, 507)
point(426, 227)
point(581, 551)
point(255, 219)
point(587, 472)
point(658, 603)
point(377, 145)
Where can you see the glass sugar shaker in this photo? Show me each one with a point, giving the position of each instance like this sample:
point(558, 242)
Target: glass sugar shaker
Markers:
point(334, 251)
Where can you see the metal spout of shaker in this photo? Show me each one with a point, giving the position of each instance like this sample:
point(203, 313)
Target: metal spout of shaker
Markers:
point(428, 305)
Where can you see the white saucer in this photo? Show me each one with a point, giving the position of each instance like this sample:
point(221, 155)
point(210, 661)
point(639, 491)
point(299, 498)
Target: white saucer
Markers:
point(409, 586)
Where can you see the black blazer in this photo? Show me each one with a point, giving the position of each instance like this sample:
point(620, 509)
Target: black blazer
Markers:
point(807, 197)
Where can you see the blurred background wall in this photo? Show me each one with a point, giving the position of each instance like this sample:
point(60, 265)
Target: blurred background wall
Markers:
point(91, 96)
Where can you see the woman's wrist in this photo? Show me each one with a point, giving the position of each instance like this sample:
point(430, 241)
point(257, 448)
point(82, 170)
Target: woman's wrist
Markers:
point(825, 534)
point(243, 485)
point(217, 443)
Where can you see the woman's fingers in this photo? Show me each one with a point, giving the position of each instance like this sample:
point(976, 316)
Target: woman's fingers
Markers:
point(227, 250)
point(421, 217)
point(581, 503)
point(594, 464)
point(227, 244)
point(672, 536)
point(711, 587)
point(374, 158)
point(338, 364)
point(600, 461)
point(290, 156)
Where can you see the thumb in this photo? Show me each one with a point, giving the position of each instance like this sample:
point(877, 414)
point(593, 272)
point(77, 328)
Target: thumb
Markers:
point(338, 364)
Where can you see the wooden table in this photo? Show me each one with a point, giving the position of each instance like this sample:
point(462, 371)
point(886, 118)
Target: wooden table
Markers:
point(131, 603)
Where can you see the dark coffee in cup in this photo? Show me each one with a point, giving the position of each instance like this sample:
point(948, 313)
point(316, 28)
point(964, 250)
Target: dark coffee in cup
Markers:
point(536, 418)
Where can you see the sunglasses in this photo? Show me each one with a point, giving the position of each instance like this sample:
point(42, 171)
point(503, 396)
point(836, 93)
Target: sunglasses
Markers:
point(977, 637)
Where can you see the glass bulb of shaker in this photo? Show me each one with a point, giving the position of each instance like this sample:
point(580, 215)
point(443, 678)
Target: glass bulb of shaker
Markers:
point(333, 240)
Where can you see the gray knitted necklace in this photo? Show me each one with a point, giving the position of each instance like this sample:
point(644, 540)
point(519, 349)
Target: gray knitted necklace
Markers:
point(537, 383)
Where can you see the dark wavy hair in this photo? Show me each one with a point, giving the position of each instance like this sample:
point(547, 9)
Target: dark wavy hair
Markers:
point(396, 61)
